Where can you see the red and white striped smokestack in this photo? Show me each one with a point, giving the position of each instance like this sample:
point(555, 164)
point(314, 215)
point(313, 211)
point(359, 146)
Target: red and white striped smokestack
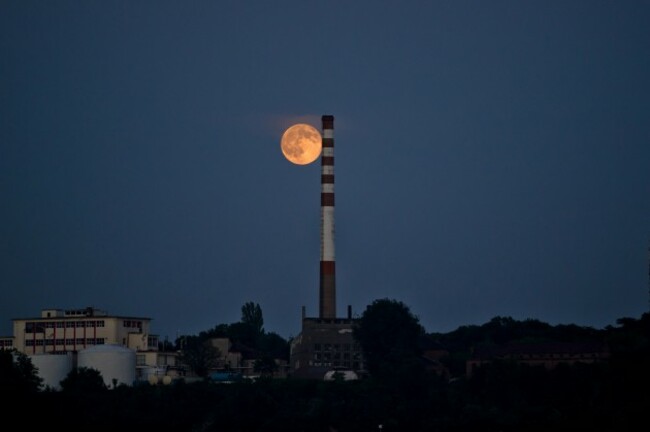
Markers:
point(327, 305)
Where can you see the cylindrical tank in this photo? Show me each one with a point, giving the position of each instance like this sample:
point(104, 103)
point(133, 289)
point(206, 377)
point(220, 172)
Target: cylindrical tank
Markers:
point(116, 363)
point(52, 368)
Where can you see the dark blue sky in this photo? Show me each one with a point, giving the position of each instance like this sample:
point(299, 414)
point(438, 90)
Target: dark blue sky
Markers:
point(492, 158)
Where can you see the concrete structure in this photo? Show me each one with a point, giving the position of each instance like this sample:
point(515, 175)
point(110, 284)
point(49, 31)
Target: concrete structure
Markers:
point(60, 332)
point(116, 363)
point(323, 345)
point(6, 342)
point(327, 305)
point(327, 342)
point(53, 369)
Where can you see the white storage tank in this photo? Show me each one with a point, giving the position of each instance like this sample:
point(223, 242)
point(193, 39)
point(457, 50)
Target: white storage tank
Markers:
point(114, 362)
point(52, 368)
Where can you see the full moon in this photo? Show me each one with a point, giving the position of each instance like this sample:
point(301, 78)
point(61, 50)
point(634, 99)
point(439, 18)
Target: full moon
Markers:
point(301, 144)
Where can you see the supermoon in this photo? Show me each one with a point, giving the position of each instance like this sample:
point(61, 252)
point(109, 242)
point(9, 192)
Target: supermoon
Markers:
point(301, 144)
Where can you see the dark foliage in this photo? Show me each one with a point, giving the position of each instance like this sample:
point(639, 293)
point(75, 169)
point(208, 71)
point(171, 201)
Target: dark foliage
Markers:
point(251, 314)
point(18, 376)
point(83, 380)
point(390, 336)
point(500, 330)
point(499, 396)
point(248, 335)
point(199, 355)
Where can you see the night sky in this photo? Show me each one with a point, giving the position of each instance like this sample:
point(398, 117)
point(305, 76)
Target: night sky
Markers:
point(492, 159)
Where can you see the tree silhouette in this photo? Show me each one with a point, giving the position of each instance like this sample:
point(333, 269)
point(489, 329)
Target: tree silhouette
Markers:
point(17, 373)
point(251, 314)
point(389, 335)
point(199, 354)
point(83, 380)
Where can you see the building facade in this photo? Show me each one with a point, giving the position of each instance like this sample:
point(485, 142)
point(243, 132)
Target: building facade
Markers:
point(70, 331)
point(323, 345)
point(59, 331)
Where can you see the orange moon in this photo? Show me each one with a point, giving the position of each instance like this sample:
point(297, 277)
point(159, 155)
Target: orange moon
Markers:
point(301, 144)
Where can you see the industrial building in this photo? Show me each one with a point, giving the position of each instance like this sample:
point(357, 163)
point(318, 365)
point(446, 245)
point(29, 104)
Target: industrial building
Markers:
point(326, 342)
point(121, 347)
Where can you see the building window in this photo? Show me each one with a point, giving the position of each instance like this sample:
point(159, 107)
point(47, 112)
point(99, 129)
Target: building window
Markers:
point(132, 324)
point(33, 327)
point(140, 360)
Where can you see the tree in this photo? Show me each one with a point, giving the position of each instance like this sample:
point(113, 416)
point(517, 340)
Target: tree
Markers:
point(251, 314)
point(83, 380)
point(199, 354)
point(18, 375)
point(244, 334)
point(265, 365)
point(273, 345)
point(389, 335)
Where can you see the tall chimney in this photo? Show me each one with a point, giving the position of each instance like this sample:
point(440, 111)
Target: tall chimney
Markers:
point(327, 305)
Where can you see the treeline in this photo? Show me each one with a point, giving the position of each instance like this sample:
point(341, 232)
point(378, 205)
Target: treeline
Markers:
point(399, 394)
point(628, 336)
point(247, 336)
